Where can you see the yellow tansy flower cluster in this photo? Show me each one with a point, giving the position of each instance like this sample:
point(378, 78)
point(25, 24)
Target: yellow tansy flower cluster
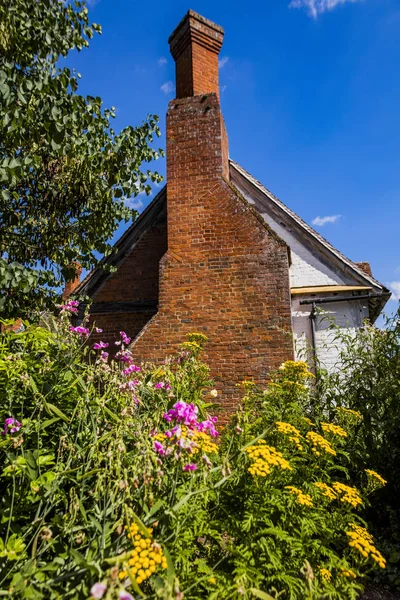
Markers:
point(335, 429)
point(326, 490)
point(348, 494)
point(348, 573)
point(319, 444)
point(325, 574)
point(349, 412)
point(298, 368)
point(375, 476)
point(264, 457)
point(362, 541)
point(291, 431)
point(145, 558)
point(203, 443)
point(302, 498)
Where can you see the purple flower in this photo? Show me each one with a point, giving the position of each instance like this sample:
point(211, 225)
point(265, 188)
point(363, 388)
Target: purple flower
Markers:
point(100, 345)
point(82, 331)
point(131, 369)
point(98, 330)
point(158, 447)
point(104, 356)
point(70, 307)
point(124, 356)
point(11, 426)
point(210, 425)
point(124, 595)
point(126, 340)
point(98, 590)
point(190, 467)
point(183, 412)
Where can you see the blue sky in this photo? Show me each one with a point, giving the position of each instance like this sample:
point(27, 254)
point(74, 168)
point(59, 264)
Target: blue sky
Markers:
point(310, 95)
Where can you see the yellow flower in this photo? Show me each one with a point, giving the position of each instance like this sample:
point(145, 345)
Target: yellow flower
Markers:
point(326, 490)
point(145, 556)
point(265, 457)
point(348, 412)
point(334, 429)
point(292, 432)
point(325, 574)
point(376, 477)
point(362, 540)
point(212, 580)
point(302, 498)
point(319, 444)
point(348, 573)
point(308, 421)
point(348, 494)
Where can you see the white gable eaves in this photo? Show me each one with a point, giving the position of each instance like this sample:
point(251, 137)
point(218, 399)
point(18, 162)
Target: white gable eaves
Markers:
point(309, 230)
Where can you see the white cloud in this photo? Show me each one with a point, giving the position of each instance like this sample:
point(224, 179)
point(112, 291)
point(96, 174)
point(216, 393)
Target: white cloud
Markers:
point(317, 7)
point(395, 289)
point(162, 61)
point(223, 88)
point(222, 61)
point(168, 87)
point(320, 221)
point(135, 203)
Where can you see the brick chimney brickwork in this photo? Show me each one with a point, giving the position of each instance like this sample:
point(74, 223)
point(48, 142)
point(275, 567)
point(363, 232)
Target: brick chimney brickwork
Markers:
point(225, 274)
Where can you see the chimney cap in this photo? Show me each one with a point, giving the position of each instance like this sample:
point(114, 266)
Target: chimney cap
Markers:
point(195, 28)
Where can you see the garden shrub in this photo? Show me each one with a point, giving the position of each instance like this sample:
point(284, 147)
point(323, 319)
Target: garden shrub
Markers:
point(115, 483)
point(367, 380)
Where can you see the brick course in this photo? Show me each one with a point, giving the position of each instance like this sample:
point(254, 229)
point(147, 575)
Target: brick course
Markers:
point(223, 272)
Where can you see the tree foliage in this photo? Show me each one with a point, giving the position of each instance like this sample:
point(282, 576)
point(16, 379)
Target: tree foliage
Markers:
point(64, 171)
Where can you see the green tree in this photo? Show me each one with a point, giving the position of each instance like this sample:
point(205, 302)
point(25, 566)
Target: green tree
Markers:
point(64, 171)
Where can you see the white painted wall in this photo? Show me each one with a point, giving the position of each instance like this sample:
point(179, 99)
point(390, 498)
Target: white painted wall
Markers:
point(348, 316)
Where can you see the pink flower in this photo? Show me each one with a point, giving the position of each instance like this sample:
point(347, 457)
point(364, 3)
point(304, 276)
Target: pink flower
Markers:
point(126, 340)
point(98, 590)
point(131, 369)
point(100, 345)
point(190, 467)
point(124, 356)
point(82, 331)
point(70, 307)
point(104, 356)
point(98, 330)
point(210, 425)
point(124, 595)
point(183, 412)
point(158, 447)
point(11, 426)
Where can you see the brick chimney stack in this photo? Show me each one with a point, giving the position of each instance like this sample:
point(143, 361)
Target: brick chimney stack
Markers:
point(195, 45)
point(70, 286)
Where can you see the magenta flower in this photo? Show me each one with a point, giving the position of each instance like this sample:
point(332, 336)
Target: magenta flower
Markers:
point(158, 447)
point(190, 467)
point(82, 331)
point(124, 356)
point(210, 425)
point(124, 595)
point(126, 340)
point(100, 345)
point(131, 369)
point(11, 426)
point(183, 412)
point(70, 307)
point(98, 590)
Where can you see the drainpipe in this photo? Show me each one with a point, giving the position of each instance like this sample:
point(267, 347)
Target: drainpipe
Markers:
point(313, 340)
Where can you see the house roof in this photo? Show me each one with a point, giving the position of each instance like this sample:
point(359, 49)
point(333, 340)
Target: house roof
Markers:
point(239, 177)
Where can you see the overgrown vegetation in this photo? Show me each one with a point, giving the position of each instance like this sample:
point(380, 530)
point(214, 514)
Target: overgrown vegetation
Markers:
point(64, 171)
point(367, 380)
point(116, 484)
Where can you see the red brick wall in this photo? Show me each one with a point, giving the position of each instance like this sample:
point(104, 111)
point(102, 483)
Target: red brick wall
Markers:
point(136, 280)
point(226, 274)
